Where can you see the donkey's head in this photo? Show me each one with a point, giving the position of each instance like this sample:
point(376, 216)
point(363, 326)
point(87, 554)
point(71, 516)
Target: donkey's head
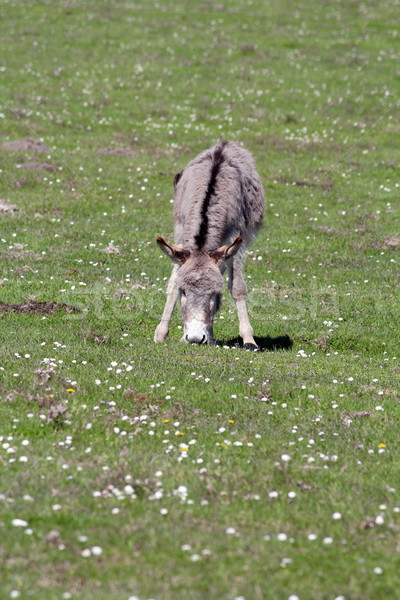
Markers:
point(199, 282)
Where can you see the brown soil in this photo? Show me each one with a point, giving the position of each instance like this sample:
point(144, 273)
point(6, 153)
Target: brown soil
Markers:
point(4, 207)
point(331, 230)
point(37, 308)
point(99, 339)
point(28, 145)
point(37, 166)
point(391, 242)
point(111, 249)
point(325, 185)
point(116, 151)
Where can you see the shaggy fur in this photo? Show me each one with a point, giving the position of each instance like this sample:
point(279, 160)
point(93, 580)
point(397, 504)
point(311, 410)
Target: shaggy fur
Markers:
point(219, 205)
point(218, 197)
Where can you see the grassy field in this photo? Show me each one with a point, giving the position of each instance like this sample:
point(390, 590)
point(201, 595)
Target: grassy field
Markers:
point(130, 470)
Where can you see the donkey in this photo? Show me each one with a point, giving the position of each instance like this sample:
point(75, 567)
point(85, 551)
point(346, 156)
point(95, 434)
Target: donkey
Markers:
point(218, 211)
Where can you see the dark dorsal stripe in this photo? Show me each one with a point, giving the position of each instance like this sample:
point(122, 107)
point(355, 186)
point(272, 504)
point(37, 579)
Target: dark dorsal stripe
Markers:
point(217, 160)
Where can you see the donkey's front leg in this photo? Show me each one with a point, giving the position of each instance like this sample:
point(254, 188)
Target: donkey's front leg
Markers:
point(161, 332)
point(238, 289)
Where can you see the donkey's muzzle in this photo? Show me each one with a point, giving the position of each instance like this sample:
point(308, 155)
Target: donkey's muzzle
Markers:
point(196, 332)
point(196, 339)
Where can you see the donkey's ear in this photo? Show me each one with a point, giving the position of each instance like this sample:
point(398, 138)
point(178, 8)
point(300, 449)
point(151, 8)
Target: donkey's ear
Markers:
point(176, 255)
point(177, 178)
point(226, 252)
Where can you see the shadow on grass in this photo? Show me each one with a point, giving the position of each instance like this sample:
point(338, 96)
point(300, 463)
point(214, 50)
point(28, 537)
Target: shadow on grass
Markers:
point(265, 344)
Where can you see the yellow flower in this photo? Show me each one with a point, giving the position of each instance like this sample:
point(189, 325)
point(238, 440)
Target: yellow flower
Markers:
point(382, 446)
point(49, 396)
point(179, 433)
point(70, 390)
point(231, 421)
point(166, 421)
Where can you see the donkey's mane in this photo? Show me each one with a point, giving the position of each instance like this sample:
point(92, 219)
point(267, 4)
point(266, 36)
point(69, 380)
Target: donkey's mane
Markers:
point(217, 159)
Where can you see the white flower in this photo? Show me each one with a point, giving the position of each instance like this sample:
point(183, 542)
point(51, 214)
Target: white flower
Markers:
point(230, 531)
point(19, 523)
point(195, 557)
point(181, 492)
point(336, 516)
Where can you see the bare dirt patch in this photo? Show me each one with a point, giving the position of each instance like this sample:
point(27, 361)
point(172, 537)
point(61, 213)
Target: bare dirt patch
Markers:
point(38, 166)
point(37, 308)
point(392, 241)
point(325, 185)
point(348, 418)
point(5, 207)
point(127, 152)
point(331, 231)
point(28, 145)
point(142, 399)
point(99, 339)
point(111, 249)
point(19, 251)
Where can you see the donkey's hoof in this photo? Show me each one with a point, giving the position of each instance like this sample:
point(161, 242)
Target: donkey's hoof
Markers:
point(160, 335)
point(251, 347)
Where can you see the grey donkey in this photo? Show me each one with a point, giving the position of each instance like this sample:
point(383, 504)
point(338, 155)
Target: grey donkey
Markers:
point(218, 210)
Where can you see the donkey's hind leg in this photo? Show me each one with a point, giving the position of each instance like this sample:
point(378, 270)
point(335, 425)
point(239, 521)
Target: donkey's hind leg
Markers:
point(161, 332)
point(238, 289)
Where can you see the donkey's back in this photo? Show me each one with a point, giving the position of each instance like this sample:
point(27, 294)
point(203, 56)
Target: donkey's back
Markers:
point(218, 197)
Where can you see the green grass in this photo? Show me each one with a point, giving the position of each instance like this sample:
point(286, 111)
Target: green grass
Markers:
point(313, 92)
